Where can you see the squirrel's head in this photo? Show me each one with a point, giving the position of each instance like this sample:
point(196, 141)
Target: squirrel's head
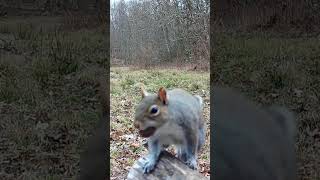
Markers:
point(152, 112)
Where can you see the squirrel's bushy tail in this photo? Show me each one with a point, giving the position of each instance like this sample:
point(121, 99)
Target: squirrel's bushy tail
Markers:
point(202, 136)
point(202, 132)
point(200, 101)
point(285, 118)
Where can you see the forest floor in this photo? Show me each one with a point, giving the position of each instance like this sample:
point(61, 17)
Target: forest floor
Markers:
point(271, 69)
point(48, 104)
point(48, 100)
point(126, 145)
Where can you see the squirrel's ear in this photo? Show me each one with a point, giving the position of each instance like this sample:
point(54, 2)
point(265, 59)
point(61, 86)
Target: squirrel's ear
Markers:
point(162, 94)
point(144, 93)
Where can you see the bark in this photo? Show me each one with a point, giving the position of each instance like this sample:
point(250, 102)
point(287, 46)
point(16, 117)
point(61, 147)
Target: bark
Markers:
point(168, 168)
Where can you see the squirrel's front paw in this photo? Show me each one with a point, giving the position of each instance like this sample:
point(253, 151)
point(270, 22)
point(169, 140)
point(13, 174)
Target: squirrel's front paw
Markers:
point(149, 165)
point(192, 163)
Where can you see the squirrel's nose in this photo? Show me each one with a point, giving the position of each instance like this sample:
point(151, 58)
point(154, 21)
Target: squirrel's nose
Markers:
point(136, 125)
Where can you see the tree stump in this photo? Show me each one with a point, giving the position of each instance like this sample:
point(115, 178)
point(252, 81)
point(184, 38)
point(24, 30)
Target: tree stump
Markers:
point(167, 168)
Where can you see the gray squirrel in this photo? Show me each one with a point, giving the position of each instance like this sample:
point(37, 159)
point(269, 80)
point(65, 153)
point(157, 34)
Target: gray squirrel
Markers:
point(251, 142)
point(171, 117)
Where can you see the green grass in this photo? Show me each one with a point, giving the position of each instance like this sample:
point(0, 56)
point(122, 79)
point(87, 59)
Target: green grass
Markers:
point(126, 146)
point(48, 79)
point(275, 70)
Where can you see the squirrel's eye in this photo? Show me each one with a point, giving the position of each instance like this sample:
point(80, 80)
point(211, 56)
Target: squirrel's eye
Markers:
point(154, 110)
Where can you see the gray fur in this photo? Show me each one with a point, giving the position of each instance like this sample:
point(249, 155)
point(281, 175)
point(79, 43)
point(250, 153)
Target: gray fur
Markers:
point(179, 123)
point(251, 142)
point(200, 101)
point(285, 118)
